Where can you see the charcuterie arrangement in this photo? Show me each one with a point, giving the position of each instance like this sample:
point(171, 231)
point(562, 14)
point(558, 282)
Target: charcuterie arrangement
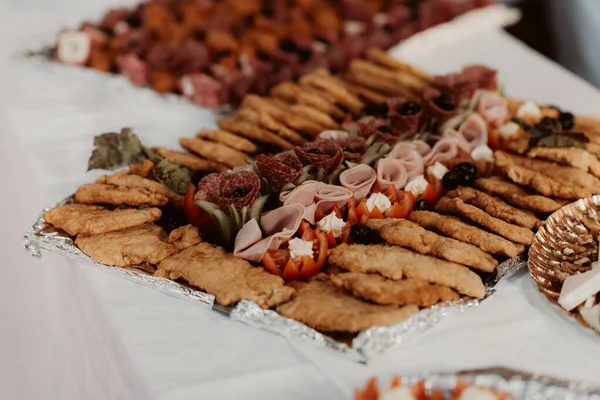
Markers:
point(365, 204)
point(214, 52)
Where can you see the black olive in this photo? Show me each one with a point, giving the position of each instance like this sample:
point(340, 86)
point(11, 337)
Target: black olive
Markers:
point(237, 193)
point(362, 234)
point(444, 101)
point(463, 167)
point(450, 180)
point(467, 178)
point(314, 151)
point(376, 110)
point(384, 129)
point(410, 108)
point(346, 149)
point(536, 133)
point(172, 218)
point(421, 205)
point(548, 126)
point(566, 120)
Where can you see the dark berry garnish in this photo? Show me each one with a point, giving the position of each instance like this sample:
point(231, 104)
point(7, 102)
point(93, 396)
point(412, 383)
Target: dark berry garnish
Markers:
point(384, 129)
point(444, 101)
point(450, 180)
point(421, 205)
point(410, 108)
point(567, 120)
point(172, 218)
point(362, 234)
point(314, 151)
point(346, 149)
point(238, 193)
point(467, 173)
point(376, 110)
point(548, 126)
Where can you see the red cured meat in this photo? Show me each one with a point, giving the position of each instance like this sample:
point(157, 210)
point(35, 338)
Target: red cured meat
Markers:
point(224, 189)
point(325, 154)
point(280, 169)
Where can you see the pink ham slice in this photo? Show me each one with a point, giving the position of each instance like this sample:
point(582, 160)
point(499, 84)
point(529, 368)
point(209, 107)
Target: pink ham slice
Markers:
point(460, 140)
point(278, 225)
point(359, 180)
point(313, 194)
point(493, 108)
point(474, 130)
point(444, 150)
point(391, 172)
point(410, 157)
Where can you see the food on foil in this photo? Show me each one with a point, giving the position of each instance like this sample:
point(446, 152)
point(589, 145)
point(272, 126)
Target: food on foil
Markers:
point(342, 209)
point(216, 52)
point(320, 305)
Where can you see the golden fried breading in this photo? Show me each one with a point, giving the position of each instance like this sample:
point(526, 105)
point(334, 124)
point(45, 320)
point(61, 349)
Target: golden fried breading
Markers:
point(184, 237)
point(455, 228)
point(577, 158)
point(127, 247)
point(515, 233)
point(516, 196)
point(144, 169)
point(78, 220)
point(379, 223)
point(253, 131)
point(543, 184)
point(396, 263)
point(293, 93)
point(228, 139)
point(109, 194)
point(214, 151)
point(562, 174)
point(496, 207)
point(315, 115)
point(229, 278)
point(303, 124)
point(384, 291)
point(124, 180)
point(267, 121)
point(322, 306)
point(189, 160)
point(408, 234)
point(382, 57)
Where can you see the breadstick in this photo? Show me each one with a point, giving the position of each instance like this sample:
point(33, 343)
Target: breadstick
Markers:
point(253, 131)
point(266, 121)
point(342, 95)
point(229, 139)
point(316, 115)
point(366, 68)
point(381, 57)
point(190, 160)
point(369, 95)
point(214, 151)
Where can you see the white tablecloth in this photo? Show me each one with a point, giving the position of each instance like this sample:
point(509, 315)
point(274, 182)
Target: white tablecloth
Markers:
point(70, 332)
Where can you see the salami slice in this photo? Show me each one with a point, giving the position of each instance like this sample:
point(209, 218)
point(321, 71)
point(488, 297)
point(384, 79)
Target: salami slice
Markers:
point(325, 154)
point(239, 189)
point(354, 147)
point(382, 133)
point(280, 169)
point(405, 116)
point(441, 114)
point(462, 85)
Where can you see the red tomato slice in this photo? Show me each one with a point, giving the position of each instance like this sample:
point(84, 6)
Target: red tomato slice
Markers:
point(270, 265)
point(494, 139)
point(308, 267)
point(362, 210)
point(406, 204)
point(393, 194)
point(337, 211)
point(319, 214)
point(291, 272)
point(194, 214)
point(323, 247)
point(375, 213)
point(346, 238)
point(331, 242)
point(352, 215)
point(306, 230)
point(430, 194)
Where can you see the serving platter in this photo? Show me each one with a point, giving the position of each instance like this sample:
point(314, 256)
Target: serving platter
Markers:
point(360, 348)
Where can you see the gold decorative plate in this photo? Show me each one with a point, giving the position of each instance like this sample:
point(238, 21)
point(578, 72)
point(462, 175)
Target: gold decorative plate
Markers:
point(566, 244)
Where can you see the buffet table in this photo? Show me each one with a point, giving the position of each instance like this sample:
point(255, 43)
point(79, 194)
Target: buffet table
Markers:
point(75, 332)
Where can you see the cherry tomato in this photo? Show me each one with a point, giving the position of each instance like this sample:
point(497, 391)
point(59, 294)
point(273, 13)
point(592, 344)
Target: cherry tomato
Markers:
point(331, 242)
point(375, 213)
point(194, 214)
point(362, 210)
point(352, 215)
point(494, 139)
point(430, 194)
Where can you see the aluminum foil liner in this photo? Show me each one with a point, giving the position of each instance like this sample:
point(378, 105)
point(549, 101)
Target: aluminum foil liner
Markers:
point(363, 347)
point(521, 385)
point(566, 244)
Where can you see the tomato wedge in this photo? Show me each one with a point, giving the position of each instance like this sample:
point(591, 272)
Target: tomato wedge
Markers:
point(375, 213)
point(319, 214)
point(393, 194)
point(352, 215)
point(306, 231)
point(362, 211)
point(323, 247)
point(494, 139)
point(331, 242)
point(194, 214)
point(370, 392)
point(430, 194)
point(337, 211)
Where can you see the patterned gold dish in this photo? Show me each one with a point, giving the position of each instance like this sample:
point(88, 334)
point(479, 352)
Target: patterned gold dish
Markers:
point(566, 244)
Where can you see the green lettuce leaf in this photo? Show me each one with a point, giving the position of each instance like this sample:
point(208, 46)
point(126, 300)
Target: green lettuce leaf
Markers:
point(116, 150)
point(176, 177)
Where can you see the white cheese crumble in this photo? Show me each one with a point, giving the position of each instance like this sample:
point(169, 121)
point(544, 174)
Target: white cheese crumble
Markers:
point(529, 110)
point(354, 27)
point(74, 47)
point(473, 393)
point(437, 170)
point(187, 87)
point(400, 393)
point(417, 185)
point(483, 152)
point(380, 200)
point(509, 129)
point(299, 247)
point(332, 223)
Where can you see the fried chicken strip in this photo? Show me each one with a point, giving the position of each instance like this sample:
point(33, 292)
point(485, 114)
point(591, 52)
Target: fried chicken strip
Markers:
point(125, 180)
point(184, 237)
point(543, 184)
point(496, 207)
point(456, 206)
point(253, 131)
point(408, 234)
point(77, 220)
point(384, 291)
point(214, 151)
point(127, 248)
point(189, 160)
point(455, 228)
point(577, 158)
point(322, 306)
point(517, 196)
point(383, 58)
point(268, 122)
point(565, 175)
point(109, 194)
point(229, 278)
point(337, 89)
point(396, 263)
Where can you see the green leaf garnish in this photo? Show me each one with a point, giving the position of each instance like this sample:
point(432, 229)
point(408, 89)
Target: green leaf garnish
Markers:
point(116, 150)
point(375, 152)
point(558, 141)
point(174, 176)
point(257, 209)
